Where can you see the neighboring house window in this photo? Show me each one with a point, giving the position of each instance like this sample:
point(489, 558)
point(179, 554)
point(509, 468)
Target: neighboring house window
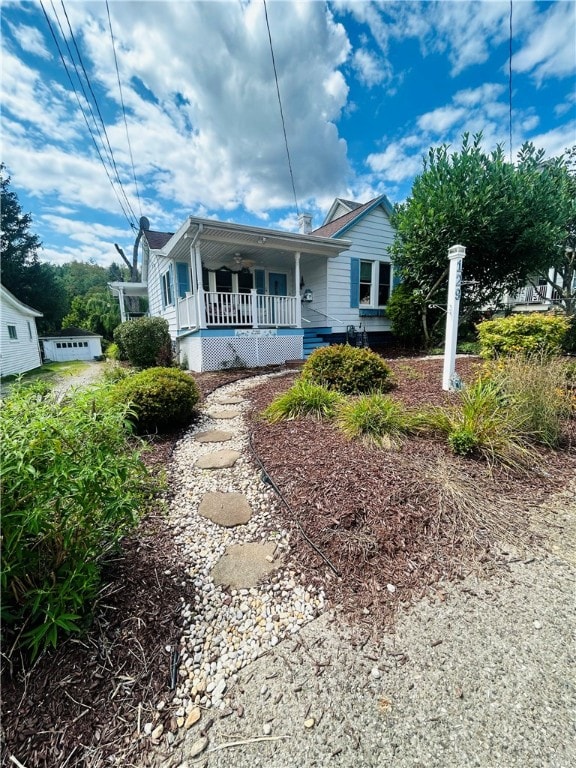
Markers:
point(12, 332)
point(369, 283)
point(167, 293)
point(29, 330)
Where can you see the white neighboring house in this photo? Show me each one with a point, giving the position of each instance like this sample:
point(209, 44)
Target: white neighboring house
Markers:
point(239, 295)
point(72, 344)
point(20, 350)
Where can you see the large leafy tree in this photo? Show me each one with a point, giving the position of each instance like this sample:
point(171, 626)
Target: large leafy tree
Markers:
point(97, 311)
point(506, 215)
point(32, 282)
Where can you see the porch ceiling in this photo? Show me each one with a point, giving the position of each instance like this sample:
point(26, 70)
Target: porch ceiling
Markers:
point(219, 242)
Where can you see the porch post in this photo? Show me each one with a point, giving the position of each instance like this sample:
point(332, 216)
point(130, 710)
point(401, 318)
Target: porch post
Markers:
point(200, 305)
point(254, 307)
point(456, 254)
point(122, 305)
point(297, 291)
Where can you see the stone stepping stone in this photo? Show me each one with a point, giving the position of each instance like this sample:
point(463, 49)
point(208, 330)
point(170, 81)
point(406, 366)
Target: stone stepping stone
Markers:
point(231, 400)
point(213, 436)
point(230, 414)
point(242, 566)
point(218, 459)
point(225, 509)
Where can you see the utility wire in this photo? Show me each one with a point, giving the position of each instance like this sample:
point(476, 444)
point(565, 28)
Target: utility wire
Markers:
point(123, 108)
point(280, 104)
point(111, 153)
point(90, 131)
point(510, 85)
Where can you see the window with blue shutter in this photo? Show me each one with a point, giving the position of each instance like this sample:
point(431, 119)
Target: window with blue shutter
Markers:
point(183, 278)
point(167, 282)
point(354, 282)
point(260, 281)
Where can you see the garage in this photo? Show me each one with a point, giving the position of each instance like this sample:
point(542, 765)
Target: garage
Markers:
point(71, 344)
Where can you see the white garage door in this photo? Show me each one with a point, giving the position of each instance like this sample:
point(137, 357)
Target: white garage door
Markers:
point(63, 351)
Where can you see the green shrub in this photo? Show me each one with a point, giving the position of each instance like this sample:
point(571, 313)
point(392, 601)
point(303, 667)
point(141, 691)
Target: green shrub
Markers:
point(536, 385)
point(350, 370)
point(376, 419)
point(522, 334)
point(485, 423)
point(405, 314)
point(303, 399)
point(144, 342)
point(113, 351)
point(569, 342)
point(72, 486)
point(160, 398)
point(114, 372)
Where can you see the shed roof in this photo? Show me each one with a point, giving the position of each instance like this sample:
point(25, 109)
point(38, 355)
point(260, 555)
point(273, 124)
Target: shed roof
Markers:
point(157, 240)
point(71, 332)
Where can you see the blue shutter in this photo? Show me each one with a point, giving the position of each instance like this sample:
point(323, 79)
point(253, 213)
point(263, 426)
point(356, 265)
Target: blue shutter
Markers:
point(354, 282)
point(183, 278)
point(260, 281)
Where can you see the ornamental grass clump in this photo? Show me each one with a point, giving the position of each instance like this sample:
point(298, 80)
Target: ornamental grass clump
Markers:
point(375, 419)
point(346, 369)
point(537, 387)
point(160, 399)
point(485, 423)
point(72, 485)
point(303, 399)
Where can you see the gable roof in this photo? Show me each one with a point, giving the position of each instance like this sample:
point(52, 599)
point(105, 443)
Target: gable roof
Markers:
point(342, 223)
point(10, 299)
point(71, 332)
point(157, 240)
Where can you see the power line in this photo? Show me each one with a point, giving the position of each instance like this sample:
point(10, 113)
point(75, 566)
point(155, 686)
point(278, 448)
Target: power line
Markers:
point(123, 108)
point(111, 153)
point(281, 110)
point(90, 131)
point(510, 85)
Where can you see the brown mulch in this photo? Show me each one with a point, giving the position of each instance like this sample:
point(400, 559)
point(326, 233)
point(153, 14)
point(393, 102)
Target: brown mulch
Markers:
point(381, 518)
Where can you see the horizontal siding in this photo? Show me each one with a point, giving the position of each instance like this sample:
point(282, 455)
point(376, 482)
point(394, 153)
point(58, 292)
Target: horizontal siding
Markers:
point(315, 274)
point(22, 354)
point(157, 266)
point(371, 239)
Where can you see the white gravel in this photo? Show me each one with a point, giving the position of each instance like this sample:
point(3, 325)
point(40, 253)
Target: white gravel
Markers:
point(481, 673)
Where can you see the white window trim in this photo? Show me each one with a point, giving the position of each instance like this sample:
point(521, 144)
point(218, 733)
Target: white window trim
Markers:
point(166, 289)
point(375, 267)
point(10, 337)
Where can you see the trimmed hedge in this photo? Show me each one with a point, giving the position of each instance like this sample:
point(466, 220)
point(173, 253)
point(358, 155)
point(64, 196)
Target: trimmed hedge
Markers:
point(522, 334)
point(350, 370)
point(144, 342)
point(161, 399)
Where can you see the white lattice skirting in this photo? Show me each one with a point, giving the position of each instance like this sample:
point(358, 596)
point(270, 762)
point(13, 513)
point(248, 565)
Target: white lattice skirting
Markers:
point(214, 353)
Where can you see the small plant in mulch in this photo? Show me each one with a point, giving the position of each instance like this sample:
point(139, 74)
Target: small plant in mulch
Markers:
point(346, 369)
point(376, 419)
point(304, 399)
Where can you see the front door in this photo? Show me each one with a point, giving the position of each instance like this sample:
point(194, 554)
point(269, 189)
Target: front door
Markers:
point(277, 284)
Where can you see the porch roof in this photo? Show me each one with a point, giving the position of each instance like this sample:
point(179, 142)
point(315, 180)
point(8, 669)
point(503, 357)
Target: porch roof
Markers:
point(221, 241)
point(129, 289)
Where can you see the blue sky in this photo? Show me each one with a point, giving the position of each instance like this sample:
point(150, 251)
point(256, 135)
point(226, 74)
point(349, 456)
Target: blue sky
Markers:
point(366, 88)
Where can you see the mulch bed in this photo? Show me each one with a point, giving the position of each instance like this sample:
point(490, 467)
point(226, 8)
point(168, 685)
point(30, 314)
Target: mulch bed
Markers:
point(381, 518)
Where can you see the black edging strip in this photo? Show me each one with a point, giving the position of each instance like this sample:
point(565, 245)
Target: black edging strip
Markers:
point(268, 479)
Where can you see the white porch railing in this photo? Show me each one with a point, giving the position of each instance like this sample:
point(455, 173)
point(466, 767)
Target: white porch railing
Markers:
point(187, 312)
point(531, 295)
point(249, 309)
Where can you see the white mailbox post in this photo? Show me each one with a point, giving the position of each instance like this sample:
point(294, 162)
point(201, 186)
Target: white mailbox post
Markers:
point(456, 255)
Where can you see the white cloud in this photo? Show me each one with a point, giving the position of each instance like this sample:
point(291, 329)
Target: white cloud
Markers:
point(394, 163)
point(30, 39)
point(550, 50)
point(370, 69)
point(440, 120)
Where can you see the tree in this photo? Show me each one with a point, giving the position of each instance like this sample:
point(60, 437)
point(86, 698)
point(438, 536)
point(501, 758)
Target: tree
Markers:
point(97, 311)
point(506, 215)
point(563, 277)
point(31, 281)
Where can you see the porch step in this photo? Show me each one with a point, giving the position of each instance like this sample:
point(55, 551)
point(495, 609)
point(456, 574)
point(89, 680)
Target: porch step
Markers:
point(311, 342)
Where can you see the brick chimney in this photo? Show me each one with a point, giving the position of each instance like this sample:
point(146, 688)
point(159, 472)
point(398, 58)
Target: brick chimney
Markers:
point(305, 223)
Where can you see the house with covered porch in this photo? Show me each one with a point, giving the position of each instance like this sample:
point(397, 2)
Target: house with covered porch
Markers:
point(237, 295)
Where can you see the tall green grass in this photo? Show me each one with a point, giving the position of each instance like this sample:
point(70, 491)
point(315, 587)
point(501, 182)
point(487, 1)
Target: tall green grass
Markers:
point(304, 399)
point(375, 419)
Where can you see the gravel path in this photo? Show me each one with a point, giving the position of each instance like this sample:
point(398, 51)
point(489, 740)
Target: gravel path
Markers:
point(480, 673)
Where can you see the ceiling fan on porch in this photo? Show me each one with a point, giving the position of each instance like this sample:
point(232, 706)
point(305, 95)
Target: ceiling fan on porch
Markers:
point(241, 262)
